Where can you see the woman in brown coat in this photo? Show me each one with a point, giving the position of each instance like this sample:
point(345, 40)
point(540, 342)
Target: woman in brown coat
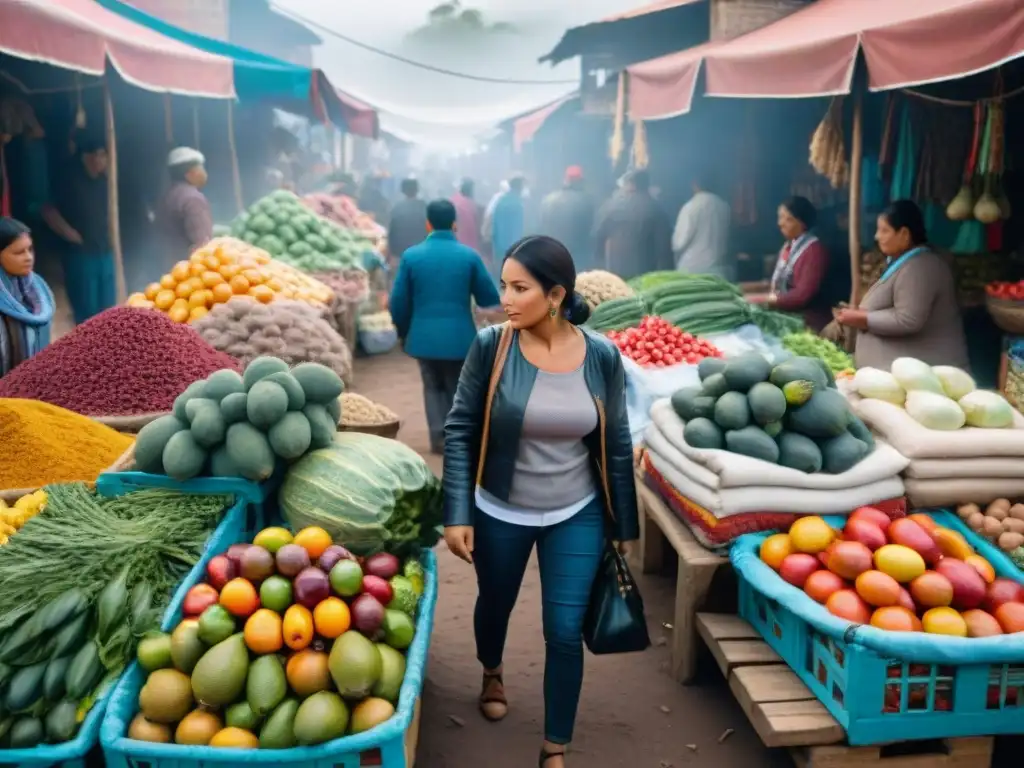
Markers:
point(912, 310)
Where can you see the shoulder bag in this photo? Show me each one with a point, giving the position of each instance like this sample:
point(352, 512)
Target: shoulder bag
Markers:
point(615, 621)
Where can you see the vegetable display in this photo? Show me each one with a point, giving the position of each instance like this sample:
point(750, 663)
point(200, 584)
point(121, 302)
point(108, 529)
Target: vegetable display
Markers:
point(1000, 522)
point(83, 581)
point(372, 493)
point(807, 344)
point(243, 426)
point(289, 231)
point(376, 321)
point(357, 410)
point(13, 517)
point(616, 314)
point(344, 212)
point(699, 304)
point(291, 641)
point(1000, 289)
point(790, 414)
point(940, 397)
point(777, 324)
point(906, 575)
point(654, 343)
point(598, 286)
point(222, 270)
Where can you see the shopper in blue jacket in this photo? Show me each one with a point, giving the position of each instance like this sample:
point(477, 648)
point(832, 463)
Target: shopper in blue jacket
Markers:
point(432, 309)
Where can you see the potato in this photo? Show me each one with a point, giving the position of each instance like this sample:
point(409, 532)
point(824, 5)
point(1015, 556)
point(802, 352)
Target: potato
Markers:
point(966, 510)
point(1011, 541)
point(1017, 511)
point(991, 527)
point(1003, 504)
point(1013, 525)
point(999, 513)
point(976, 521)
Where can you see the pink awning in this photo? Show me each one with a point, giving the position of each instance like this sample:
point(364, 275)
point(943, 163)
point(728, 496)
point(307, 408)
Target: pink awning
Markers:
point(526, 127)
point(813, 52)
point(646, 10)
point(360, 118)
point(81, 35)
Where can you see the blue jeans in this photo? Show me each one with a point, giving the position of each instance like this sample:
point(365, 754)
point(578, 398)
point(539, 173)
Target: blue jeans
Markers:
point(569, 554)
point(90, 282)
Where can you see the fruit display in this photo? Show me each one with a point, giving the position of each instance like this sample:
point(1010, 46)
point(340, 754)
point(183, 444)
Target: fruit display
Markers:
point(1001, 289)
point(290, 641)
point(343, 211)
point(357, 410)
point(82, 581)
point(224, 269)
point(231, 425)
point(598, 286)
point(373, 493)
point(904, 575)
point(283, 226)
point(789, 414)
point(654, 343)
point(940, 397)
point(14, 516)
point(1000, 522)
point(807, 344)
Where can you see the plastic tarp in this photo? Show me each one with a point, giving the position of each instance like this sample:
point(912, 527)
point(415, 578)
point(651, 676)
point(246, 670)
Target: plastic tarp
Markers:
point(526, 127)
point(82, 35)
point(644, 386)
point(813, 52)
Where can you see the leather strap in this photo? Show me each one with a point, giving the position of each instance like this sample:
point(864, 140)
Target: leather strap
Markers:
point(500, 356)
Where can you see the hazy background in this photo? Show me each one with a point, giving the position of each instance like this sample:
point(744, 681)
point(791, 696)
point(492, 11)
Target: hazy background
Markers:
point(503, 40)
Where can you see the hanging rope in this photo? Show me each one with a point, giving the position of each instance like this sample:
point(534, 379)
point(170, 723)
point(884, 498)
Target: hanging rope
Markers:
point(961, 103)
point(42, 91)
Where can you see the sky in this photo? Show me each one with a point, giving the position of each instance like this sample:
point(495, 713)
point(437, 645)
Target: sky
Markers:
point(436, 109)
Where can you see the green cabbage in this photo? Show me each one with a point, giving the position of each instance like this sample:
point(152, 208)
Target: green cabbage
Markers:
point(986, 409)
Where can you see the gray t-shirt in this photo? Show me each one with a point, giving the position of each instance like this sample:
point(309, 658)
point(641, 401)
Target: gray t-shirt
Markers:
point(553, 466)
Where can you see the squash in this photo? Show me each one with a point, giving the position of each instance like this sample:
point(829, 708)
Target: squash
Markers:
point(799, 369)
point(752, 441)
point(799, 452)
point(826, 414)
point(732, 411)
point(842, 453)
point(682, 402)
point(767, 402)
point(716, 385)
point(746, 370)
point(710, 366)
point(703, 433)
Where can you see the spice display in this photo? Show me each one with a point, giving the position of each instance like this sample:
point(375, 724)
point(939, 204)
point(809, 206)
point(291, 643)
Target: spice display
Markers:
point(224, 269)
point(42, 444)
point(289, 642)
point(807, 344)
point(657, 344)
point(828, 149)
point(350, 286)
point(357, 410)
point(13, 517)
point(906, 575)
point(291, 330)
point(241, 426)
point(289, 231)
point(122, 362)
point(598, 286)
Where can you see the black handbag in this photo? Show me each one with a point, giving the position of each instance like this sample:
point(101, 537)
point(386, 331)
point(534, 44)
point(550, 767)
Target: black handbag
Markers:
point(615, 620)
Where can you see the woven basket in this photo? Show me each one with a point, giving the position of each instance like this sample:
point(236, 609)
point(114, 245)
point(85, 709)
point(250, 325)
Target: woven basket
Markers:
point(388, 429)
point(1008, 315)
point(125, 461)
point(130, 425)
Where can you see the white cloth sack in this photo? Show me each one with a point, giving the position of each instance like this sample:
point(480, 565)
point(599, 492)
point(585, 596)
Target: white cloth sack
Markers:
point(988, 467)
point(916, 441)
point(733, 470)
point(766, 498)
point(950, 491)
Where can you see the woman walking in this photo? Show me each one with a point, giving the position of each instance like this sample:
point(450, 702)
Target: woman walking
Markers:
point(538, 452)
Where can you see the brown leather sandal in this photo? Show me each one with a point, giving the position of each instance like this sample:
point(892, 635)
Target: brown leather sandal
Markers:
point(497, 697)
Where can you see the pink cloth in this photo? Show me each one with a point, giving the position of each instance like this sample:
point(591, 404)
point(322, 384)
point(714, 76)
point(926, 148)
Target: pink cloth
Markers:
point(467, 221)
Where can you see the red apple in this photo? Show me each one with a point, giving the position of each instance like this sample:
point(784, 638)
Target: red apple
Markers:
point(797, 567)
point(198, 599)
point(220, 571)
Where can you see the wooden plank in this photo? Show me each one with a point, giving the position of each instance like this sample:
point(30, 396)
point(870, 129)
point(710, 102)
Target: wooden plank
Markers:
point(719, 626)
point(945, 753)
point(743, 653)
point(651, 553)
point(693, 581)
point(798, 723)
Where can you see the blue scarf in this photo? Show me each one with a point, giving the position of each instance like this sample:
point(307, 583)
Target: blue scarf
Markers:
point(28, 301)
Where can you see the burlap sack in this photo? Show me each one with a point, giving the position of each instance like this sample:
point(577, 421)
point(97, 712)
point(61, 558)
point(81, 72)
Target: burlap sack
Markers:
point(130, 425)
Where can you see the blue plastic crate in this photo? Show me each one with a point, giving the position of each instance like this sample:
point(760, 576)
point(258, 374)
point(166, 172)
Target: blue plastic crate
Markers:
point(346, 752)
point(233, 528)
point(885, 686)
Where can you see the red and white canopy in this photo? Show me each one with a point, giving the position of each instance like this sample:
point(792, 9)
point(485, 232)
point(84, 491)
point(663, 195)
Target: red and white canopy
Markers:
point(82, 35)
point(813, 52)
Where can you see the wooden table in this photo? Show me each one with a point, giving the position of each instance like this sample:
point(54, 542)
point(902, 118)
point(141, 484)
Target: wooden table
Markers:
point(704, 580)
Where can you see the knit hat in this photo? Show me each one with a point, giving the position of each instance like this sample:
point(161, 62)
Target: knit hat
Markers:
point(185, 156)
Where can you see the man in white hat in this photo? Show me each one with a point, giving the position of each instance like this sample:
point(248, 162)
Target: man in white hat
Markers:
point(183, 216)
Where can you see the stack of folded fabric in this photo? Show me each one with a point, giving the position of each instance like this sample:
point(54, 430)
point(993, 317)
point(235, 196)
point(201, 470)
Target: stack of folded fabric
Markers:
point(967, 465)
point(721, 495)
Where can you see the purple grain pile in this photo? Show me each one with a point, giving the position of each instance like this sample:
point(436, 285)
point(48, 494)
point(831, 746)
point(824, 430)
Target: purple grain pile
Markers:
point(122, 362)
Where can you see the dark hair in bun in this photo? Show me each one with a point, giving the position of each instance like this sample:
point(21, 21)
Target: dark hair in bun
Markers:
point(550, 264)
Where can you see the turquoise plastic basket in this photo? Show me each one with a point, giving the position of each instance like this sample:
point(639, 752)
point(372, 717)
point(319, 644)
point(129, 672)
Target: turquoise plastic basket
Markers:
point(232, 529)
point(885, 686)
point(346, 752)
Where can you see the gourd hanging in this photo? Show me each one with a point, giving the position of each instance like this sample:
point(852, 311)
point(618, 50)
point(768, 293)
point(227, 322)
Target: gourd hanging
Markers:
point(986, 209)
point(962, 206)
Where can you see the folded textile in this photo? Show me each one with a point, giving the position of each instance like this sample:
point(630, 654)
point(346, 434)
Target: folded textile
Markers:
point(724, 502)
point(734, 470)
point(982, 467)
point(950, 491)
point(915, 441)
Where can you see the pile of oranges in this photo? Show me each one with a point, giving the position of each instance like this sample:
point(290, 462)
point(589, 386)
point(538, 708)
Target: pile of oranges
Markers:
point(222, 270)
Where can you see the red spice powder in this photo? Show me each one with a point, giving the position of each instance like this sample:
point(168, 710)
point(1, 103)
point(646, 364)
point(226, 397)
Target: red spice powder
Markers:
point(122, 362)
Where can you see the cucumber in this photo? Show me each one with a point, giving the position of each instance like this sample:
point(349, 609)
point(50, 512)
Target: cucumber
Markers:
point(62, 722)
point(53, 680)
point(59, 610)
point(112, 605)
point(26, 732)
point(84, 671)
point(20, 640)
point(71, 636)
point(25, 688)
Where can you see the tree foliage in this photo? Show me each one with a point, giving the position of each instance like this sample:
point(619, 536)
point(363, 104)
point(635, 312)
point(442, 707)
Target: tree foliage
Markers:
point(452, 22)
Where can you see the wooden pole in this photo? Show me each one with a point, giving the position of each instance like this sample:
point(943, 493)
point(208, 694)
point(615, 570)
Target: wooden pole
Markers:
point(236, 172)
point(856, 161)
point(113, 214)
point(168, 121)
point(195, 124)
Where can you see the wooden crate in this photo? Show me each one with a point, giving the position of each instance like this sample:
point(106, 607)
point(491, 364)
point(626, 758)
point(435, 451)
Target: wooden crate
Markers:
point(704, 580)
point(785, 713)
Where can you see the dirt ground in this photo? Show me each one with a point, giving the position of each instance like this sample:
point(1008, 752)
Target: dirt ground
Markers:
point(631, 713)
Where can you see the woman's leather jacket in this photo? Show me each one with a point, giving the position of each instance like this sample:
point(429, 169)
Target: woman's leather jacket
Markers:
point(610, 445)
